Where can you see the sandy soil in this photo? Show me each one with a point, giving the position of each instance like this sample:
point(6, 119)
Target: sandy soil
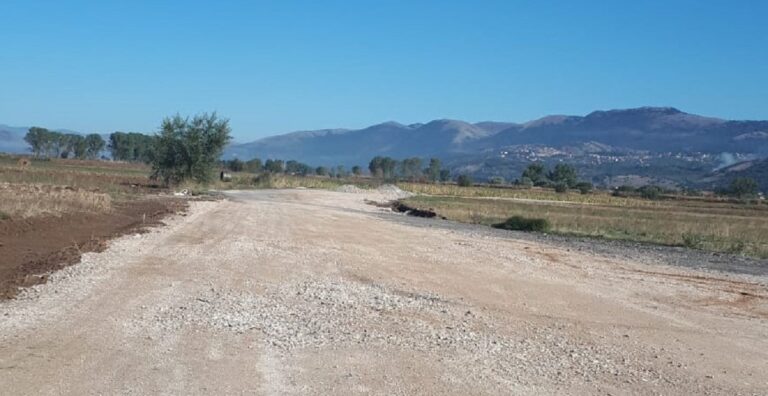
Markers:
point(309, 292)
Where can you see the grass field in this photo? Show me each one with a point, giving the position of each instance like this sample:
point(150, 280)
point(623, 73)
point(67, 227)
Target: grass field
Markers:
point(715, 226)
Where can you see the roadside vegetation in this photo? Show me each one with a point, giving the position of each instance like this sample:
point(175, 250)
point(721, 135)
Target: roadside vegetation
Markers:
point(184, 156)
point(708, 225)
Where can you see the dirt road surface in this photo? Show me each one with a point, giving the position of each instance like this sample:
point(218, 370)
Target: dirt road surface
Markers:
point(312, 292)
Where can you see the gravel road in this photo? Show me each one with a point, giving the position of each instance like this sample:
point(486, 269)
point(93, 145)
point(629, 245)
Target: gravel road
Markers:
point(316, 292)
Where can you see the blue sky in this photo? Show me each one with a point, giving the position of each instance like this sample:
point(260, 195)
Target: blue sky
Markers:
point(274, 67)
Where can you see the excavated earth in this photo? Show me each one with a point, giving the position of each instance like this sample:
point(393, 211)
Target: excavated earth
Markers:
point(32, 248)
point(315, 292)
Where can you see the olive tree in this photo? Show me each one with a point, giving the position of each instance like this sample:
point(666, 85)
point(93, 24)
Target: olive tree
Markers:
point(189, 148)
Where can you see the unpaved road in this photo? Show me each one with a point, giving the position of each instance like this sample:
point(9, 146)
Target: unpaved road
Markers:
point(309, 292)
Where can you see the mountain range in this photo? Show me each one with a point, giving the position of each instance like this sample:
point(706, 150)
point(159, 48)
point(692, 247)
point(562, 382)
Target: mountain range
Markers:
point(652, 129)
point(641, 145)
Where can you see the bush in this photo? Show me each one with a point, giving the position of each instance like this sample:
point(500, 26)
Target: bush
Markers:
point(650, 192)
point(623, 191)
point(496, 180)
point(693, 241)
point(519, 223)
point(464, 181)
point(584, 187)
point(561, 188)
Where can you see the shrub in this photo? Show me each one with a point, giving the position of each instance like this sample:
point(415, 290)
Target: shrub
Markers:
point(650, 192)
point(584, 187)
point(464, 181)
point(519, 223)
point(693, 241)
point(623, 191)
point(561, 188)
point(496, 180)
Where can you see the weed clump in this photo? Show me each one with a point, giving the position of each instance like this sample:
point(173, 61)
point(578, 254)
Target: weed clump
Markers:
point(520, 223)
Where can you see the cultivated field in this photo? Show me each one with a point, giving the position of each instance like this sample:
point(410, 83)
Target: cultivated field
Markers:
point(721, 226)
point(52, 211)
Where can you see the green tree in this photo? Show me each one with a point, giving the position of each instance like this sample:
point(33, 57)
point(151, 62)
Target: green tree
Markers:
point(235, 165)
point(536, 173)
point(433, 170)
point(584, 187)
point(131, 146)
point(563, 174)
point(445, 175)
point(321, 171)
point(297, 168)
point(356, 170)
point(253, 165)
point(79, 146)
point(383, 167)
point(410, 168)
point(743, 187)
point(464, 180)
point(340, 171)
point(376, 166)
point(36, 138)
point(94, 145)
point(274, 166)
point(189, 148)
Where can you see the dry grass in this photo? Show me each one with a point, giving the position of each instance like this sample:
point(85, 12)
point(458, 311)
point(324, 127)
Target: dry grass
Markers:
point(246, 180)
point(31, 200)
point(113, 178)
point(722, 227)
point(58, 186)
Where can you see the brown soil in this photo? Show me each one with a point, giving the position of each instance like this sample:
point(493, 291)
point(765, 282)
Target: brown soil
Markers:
point(32, 248)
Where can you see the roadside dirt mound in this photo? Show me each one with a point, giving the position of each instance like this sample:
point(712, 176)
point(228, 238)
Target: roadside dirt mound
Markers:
point(32, 248)
point(393, 192)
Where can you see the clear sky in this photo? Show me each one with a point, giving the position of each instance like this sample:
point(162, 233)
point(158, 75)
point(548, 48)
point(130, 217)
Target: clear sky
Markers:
point(273, 67)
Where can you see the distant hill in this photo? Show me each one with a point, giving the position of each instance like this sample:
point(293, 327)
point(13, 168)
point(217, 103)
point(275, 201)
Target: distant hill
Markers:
point(343, 146)
point(654, 129)
point(661, 145)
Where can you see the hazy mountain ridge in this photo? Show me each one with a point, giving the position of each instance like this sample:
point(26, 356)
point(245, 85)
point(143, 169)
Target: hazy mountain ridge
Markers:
point(652, 143)
point(654, 129)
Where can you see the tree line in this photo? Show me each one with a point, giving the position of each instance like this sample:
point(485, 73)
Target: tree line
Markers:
point(122, 146)
point(562, 177)
point(53, 144)
point(379, 167)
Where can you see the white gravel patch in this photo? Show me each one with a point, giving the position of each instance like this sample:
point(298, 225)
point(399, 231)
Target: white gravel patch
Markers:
point(335, 313)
